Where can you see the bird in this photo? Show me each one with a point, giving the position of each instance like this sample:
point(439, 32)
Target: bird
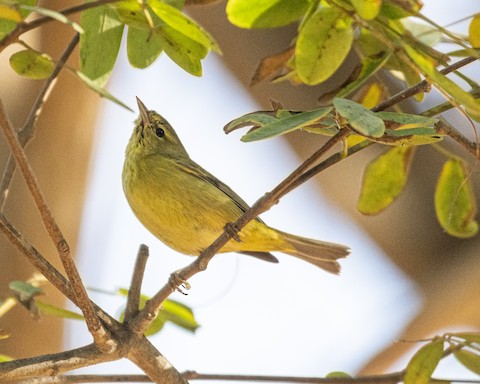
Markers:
point(187, 208)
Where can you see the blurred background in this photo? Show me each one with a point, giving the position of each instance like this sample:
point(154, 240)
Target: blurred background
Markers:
point(405, 278)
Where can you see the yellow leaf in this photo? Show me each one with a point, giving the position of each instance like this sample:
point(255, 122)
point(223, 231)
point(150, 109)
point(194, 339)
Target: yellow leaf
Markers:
point(11, 14)
point(474, 32)
point(372, 95)
point(454, 201)
point(367, 9)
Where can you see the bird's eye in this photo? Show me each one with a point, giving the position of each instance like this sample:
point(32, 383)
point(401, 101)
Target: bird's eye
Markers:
point(159, 132)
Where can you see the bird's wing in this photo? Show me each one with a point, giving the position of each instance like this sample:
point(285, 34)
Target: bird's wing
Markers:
point(202, 174)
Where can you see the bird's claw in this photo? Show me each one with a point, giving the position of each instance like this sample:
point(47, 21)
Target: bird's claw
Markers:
point(232, 231)
point(178, 282)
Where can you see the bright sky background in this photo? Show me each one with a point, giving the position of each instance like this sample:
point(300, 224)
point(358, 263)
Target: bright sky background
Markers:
point(256, 318)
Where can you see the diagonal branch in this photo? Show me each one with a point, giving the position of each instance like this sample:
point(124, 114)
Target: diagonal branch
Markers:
point(93, 323)
point(26, 132)
point(21, 28)
point(36, 259)
point(422, 86)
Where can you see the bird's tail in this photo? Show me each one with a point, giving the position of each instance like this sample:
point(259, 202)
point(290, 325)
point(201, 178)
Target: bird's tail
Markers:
point(320, 253)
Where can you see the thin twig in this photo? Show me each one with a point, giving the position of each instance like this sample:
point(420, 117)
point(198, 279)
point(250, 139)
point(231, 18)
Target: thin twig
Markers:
point(74, 379)
point(444, 127)
point(82, 300)
point(21, 28)
point(27, 131)
point(390, 378)
point(36, 259)
point(422, 86)
point(45, 268)
point(133, 299)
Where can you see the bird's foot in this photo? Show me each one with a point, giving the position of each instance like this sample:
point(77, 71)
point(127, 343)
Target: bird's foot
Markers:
point(178, 283)
point(232, 231)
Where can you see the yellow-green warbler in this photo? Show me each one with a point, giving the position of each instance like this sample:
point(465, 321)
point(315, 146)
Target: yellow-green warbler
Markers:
point(187, 208)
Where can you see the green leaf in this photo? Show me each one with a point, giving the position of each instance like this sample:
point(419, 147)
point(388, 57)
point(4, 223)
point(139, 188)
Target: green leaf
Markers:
point(469, 337)
point(24, 290)
point(287, 124)
point(256, 119)
point(369, 68)
point(4, 358)
point(469, 360)
point(176, 313)
point(361, 119)
point(322, 45)
point(458, 94)
point(265, 13)
point(454, 200)
point(422, 365)
point(408, 119)
point(100, 43)
point(53, 15)
point(367, 9)
point(172, 311)
point(425, 33)
point(32, 64)
point(53, 310)
point(184, 25)
point(184, 51)
point(130, 13)
point(409, 137)
point(404, 72)
point(98, 89)
point(338, 374)
point(384, 179)
point(143, 47)
point(393, 9)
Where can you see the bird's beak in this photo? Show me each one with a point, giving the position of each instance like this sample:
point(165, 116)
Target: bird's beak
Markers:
point(143, 113)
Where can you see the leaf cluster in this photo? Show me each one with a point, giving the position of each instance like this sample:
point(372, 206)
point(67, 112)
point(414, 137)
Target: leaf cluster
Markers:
point(386, 175)
point(382, 34)
point(152, 27)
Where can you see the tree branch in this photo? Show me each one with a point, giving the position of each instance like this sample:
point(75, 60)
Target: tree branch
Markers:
point(391, 378)
point(21, 28)
point(153, 363)
point(82, 300)
point(133, 299)
point(26, 132)
point(422, 86)
point(36, 259)
point(53, 364)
